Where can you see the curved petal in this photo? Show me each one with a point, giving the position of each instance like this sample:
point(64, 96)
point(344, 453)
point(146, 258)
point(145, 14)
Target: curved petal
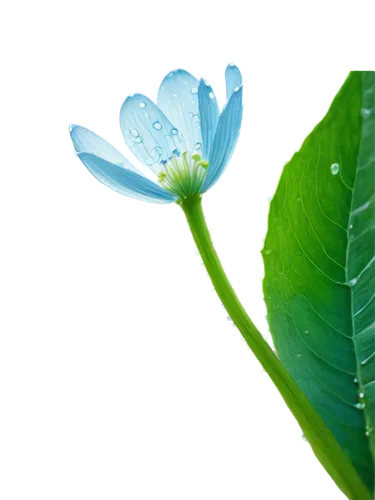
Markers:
point(147, 131)
point(125, 181)
point(86, 141)
point(209, 113)
point(225, 140)
point(233, 78)
point(178, 98)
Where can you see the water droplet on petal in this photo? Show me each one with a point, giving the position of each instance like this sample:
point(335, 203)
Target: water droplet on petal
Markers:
point(353, 281)
point(142, 105)
point(198, 146)
point(134, 132)
point(194, 90)
point(174, 131)
point(365, 112)
point(231, 65)
point(149, 162)
point(211, 95)
point(137, 139)
point(335, 168)
point(236, 89)
point(157, 125)
point(176, 152)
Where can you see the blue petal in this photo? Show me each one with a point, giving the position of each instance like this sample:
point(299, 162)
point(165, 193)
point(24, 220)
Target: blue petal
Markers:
point(178, 98)
point(209, 112)
point(85, 141)
point(148, 132)
point(225, 140)
point(125, 181)
point(233, 78)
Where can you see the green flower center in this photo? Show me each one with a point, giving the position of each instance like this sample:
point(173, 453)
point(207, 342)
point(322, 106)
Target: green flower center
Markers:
point(183, 175)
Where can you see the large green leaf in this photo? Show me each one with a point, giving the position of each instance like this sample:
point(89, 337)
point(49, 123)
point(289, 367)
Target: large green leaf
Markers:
point(319, 269)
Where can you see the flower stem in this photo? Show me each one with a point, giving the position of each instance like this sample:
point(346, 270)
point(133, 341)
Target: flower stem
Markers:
point(322, 441)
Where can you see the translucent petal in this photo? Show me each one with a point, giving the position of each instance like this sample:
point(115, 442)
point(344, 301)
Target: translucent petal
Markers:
point(233, 78)
point(125, 181)
point(86, 141)
point(209, 113)
point(225, 140)
point(147, 131)
point(178, 98)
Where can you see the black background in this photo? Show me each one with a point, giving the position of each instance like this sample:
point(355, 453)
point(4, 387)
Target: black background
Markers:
point(153, 387)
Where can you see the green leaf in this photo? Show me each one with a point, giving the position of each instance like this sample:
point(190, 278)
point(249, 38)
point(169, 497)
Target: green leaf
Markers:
point(319, 270)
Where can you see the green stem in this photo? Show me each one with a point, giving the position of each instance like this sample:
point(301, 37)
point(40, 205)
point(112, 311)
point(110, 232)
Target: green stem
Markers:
point(323, 443)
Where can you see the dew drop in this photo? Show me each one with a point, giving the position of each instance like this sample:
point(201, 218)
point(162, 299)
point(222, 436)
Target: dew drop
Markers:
point(137, 139)
point(142, 105)
point(365, 112)
point(355, 380)
point(335, 168)
point(351, 226)
point(149, 161)
point(174, 131)
point(194, 90)
point(134, 132)
point(360, 406)
point(304, 438)
point(236, 89)
point(353, 281)
point(267, 251)
point(231, 65)
point(229, 318)
point(176, 152)
point(306, 331)
point(157, 125)
point(211, 95)
point(198, 146)
point(361, 395)
point(367, 433)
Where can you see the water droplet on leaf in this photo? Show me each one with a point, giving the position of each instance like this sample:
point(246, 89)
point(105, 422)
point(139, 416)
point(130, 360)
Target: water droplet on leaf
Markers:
point(365, 112)
point(335, 168)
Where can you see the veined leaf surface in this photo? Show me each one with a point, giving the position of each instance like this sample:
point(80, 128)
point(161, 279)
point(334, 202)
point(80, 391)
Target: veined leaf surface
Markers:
point(319, 269)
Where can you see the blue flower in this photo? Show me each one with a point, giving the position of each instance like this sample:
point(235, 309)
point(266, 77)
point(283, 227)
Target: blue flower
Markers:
point(185, 141)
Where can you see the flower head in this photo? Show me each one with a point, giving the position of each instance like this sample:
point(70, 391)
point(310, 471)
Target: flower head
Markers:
point(184, 140)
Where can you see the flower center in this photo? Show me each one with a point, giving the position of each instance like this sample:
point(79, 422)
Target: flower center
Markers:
point(183, 175)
